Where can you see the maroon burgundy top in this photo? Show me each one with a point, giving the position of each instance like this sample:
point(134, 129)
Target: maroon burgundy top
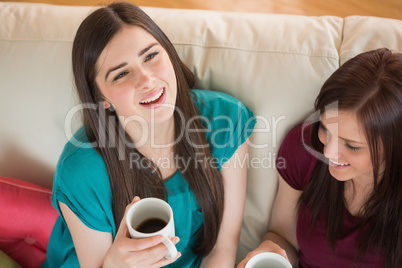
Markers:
point(314, 249)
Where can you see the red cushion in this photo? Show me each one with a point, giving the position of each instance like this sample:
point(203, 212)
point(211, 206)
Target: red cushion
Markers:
point(27, 219)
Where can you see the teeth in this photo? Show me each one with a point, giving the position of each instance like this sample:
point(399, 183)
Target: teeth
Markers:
point(157, 96)
point(336, 163)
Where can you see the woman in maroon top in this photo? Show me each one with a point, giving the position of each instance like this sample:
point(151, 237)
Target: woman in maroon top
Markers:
point(339, 200)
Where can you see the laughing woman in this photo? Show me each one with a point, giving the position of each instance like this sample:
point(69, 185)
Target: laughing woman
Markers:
point(339, 200)
point(146, 134)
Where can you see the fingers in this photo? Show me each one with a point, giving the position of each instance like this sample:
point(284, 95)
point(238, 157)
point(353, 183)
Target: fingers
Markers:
point(283, 253)
point(251, 254)
point(135, 199)
point(159, 252)
point(153, 255)
point(123, 230)
point(242, 264)
point(275, 248)
point(266, 246)
point(146, 243)
point(164, 262)
point(143, 252)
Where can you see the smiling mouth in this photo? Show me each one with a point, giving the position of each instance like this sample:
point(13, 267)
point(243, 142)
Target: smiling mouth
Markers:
point(337, 164)
point(154, 98)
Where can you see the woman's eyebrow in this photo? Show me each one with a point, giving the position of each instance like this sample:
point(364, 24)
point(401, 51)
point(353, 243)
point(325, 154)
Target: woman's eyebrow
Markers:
point(114, 69)
point(142, 52)
point(347, 140)
point(352, 141)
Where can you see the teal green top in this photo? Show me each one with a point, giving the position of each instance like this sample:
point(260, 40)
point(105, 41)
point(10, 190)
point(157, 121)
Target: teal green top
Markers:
point(81, 181)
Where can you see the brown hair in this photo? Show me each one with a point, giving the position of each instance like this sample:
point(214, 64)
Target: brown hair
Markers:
point(370, 85)
point(93, 35)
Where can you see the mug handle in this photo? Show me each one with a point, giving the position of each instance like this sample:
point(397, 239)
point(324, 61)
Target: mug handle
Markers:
point(171, 247)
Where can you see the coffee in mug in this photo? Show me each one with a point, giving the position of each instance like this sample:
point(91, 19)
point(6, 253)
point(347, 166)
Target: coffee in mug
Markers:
point(150, 217)
point(151, 225)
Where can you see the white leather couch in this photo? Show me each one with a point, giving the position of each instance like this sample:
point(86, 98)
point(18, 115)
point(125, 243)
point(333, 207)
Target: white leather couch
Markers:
point(275, 64)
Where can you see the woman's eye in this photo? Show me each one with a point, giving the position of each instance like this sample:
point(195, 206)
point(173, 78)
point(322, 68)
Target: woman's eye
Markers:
point(151, 56)
point(120, 75)
point(353, 148)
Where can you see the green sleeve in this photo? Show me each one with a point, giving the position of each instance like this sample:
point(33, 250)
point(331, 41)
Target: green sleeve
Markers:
point(229, 122)
point(82, 183)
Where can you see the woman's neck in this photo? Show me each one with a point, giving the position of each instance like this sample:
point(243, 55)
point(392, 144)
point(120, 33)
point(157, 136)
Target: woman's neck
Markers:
point(356, 193)
point(155, 142)
point(151, 137)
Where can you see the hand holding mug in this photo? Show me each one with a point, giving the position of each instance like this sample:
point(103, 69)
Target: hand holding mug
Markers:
point(267, 254)
point(150, 217)
point(133, 252)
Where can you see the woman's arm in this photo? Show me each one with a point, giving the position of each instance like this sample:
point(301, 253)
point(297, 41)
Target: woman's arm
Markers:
point(97, 249)
point(90, 245)
point(234, 175)
point(281, 236)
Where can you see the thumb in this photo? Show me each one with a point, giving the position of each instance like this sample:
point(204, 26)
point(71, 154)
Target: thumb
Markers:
point(123, 229)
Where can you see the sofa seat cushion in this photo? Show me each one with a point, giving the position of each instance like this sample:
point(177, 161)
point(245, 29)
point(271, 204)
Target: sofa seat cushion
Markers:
point(27, 221)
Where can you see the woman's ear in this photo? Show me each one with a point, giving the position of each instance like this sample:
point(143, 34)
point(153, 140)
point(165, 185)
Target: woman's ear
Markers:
point(106, 105)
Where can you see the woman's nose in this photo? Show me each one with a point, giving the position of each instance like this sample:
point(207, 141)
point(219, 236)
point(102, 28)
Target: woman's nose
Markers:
point(331, 148)
point(144, 80)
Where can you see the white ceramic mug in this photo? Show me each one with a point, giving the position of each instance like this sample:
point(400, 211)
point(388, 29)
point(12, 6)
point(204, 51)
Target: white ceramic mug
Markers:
point(268, 260)
point(144, 220)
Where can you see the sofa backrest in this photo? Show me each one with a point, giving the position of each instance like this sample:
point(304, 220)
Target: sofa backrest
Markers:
point(275, 64)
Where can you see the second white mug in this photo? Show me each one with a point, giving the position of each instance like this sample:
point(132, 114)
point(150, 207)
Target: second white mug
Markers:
point(268, 260)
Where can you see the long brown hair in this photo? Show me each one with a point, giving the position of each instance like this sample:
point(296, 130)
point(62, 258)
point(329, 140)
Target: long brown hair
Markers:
point(102, 125)
point(370, 85)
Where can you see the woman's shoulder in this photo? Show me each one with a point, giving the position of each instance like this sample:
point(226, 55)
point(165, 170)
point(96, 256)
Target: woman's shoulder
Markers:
point(297, 138)
point(79, 160)
point(227, 121)
point(213, 95)
point(296, 161)
point(78, 148)
point(219, 107)
point(216, 100)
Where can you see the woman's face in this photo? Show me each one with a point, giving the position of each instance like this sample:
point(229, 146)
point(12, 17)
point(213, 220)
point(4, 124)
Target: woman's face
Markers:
point(345, 146)
point(135, 76)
